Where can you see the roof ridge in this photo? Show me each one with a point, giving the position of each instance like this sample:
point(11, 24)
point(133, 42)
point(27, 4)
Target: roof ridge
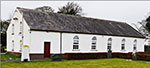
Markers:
point(46, 21)
point(73, 15)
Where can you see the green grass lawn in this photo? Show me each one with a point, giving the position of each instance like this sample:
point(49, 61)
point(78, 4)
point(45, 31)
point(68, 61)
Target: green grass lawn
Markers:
point(7, 56)
point(94, 63)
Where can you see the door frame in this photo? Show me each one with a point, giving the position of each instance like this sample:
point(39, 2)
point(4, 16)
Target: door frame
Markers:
point(49, 48)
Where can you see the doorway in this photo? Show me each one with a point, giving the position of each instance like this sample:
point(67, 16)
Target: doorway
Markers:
point(46, 49)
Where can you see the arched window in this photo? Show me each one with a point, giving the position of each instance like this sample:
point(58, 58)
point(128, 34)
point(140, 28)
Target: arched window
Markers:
point(93, 43)
point(21, 28)
point(20, 45)
point(135, 45)
point(109, 44)
point(123, 44)
point(76, 42)
point(12, 29)
point(12, 45)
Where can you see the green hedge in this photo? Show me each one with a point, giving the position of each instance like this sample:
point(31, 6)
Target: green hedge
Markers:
point(147, 48)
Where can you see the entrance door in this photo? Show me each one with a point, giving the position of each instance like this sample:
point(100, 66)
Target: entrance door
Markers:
point(46, 49)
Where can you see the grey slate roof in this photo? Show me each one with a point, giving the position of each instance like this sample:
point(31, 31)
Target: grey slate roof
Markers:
point(75, 24)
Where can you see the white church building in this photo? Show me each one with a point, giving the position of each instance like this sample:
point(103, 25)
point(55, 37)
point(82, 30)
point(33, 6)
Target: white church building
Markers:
point(52, 33)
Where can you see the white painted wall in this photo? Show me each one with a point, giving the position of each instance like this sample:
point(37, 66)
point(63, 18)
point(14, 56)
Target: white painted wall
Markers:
point(86, 39)
point(39, 37)
point(17, 37)
point(26, 34)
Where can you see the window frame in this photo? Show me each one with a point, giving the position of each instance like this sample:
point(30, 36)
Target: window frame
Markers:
point(13, 45)
point(76, 43)
point(21, 28)
point(135, 45)
point(93, 45)
point(21, 45)
point(13, 29)
point(109, 44)
point(123, 44)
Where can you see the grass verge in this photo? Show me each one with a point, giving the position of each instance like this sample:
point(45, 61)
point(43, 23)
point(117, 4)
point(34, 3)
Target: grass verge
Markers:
point(93, 63)
point(7, 56)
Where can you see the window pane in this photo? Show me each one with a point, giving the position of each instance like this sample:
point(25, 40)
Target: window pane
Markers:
point(20, 26)
point(134, 48)
point(12, 45)
point(94, 38)
point(109, 47)
point(134, 44)
point(75, 46)
point(20, 44)
point(76, 37)
point(109, 43)
point(93, 41)
point(76, 42)
point(123, 41)
point(12, 29)
point(123, 47)
point(93, 47)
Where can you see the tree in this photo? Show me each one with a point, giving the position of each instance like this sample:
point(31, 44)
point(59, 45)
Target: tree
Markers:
point(148, 24)
point(145, 26)
point(71, 8)
point(45, 9)
point(3, 28)
point(4, 25)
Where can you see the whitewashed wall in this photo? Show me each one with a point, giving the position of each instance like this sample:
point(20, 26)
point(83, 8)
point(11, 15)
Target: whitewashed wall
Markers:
point(39, 37)
point(85, 41)
point(17, 37)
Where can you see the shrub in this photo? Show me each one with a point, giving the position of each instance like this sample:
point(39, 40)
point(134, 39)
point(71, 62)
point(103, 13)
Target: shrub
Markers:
point(85, 55)
point(147, 48)
point(139, 55)
point(143, 56)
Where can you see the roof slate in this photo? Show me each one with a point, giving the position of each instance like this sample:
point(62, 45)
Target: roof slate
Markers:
point(46, 21)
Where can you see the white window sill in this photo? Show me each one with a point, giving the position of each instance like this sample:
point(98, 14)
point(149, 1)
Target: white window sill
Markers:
point(75, 49)
point(94, 50)
point(135, 50)
point(123, 50)
point(109, 49)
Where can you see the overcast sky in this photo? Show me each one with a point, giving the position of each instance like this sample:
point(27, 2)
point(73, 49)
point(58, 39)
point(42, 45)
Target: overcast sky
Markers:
point(126, 11)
